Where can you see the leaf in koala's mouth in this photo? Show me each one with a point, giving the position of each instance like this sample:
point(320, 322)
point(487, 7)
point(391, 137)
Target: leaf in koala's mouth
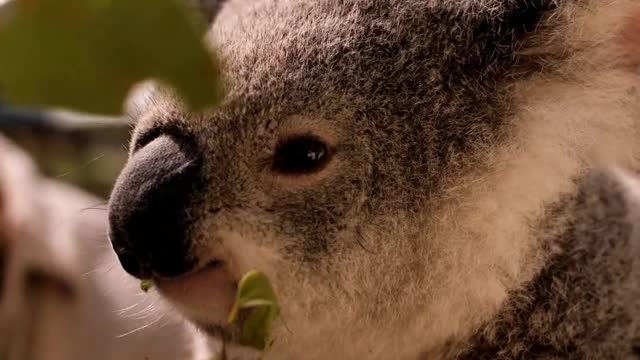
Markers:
point(256, 297)
point(146, 285)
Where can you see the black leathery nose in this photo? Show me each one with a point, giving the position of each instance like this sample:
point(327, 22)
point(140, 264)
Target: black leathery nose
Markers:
point(148, 209)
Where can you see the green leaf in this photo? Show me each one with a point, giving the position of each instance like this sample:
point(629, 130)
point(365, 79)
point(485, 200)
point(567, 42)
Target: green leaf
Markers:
point(146, 285)
point(256, 296)
point(87, 54)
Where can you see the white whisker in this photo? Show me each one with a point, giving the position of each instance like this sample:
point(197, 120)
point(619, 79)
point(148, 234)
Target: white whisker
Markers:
point(140, 328)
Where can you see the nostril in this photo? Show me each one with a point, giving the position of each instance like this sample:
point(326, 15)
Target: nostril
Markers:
point(146, 137)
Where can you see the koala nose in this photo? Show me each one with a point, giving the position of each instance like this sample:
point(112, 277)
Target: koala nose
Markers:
point(148, 209)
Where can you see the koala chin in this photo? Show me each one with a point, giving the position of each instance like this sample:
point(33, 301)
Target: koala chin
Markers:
point(421, 179)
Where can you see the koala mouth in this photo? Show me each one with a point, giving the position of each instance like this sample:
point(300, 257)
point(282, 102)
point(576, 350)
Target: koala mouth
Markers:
point(205, 296)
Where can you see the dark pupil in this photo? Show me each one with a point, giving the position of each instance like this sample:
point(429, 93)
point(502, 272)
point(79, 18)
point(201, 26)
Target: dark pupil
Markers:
point(300, 155)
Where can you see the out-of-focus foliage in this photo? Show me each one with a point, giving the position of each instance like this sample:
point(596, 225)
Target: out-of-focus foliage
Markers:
point(86, 54)
point(84, 150)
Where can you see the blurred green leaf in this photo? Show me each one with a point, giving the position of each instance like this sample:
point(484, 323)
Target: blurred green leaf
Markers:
point(146, 285)
point(87, 54)
point(256, 296)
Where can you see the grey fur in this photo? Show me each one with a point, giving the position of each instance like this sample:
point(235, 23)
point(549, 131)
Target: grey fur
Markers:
point(585, 302)
point(420, 98)
point(426, 93)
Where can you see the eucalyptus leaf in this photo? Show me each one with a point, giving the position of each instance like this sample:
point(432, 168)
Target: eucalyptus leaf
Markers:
point(87, 54)
point(146, 285)
point(255, 296)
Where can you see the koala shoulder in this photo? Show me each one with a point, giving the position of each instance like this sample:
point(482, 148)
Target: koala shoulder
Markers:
point(583, 303)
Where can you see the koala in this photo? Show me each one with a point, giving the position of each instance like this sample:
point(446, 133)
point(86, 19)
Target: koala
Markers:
point(420, 179)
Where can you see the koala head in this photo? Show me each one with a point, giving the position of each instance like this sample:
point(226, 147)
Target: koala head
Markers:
point(381, 161)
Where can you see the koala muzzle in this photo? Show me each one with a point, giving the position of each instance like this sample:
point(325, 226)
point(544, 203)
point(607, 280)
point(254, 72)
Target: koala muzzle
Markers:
point(148, 209)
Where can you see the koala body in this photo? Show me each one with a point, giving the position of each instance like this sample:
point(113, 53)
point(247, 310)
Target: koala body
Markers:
point(418, 178)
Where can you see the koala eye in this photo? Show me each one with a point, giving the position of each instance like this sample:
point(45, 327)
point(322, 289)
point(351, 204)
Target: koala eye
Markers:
point(300, 155)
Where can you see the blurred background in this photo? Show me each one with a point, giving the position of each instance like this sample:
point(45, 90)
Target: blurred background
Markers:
point(84, 150)
point(81, 149)
point(63, 294)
